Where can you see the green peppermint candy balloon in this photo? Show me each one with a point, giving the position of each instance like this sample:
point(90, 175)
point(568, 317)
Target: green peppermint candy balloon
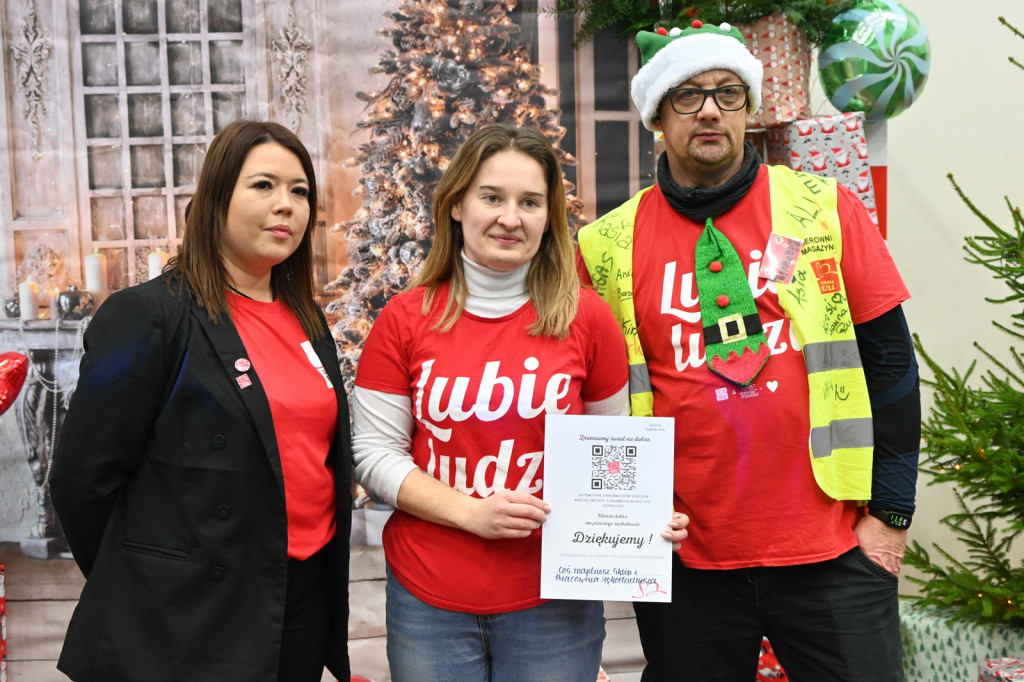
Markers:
point(875, 58)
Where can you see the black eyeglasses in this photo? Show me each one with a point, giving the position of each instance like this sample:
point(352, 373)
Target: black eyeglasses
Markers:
point(691, 100)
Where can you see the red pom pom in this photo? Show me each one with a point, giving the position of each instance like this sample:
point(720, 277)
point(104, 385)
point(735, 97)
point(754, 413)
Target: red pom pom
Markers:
point(697, 23)
point(715, 266)
point(661, 31)
point(723, 301)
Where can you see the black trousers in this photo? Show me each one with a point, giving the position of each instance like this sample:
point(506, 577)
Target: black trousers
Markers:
point(307, 620)
point(831, 621)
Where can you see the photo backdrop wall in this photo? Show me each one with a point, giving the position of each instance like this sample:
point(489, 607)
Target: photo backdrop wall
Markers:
point(107, 108)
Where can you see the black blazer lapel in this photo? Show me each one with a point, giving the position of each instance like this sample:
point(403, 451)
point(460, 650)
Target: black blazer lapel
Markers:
point(227, 344)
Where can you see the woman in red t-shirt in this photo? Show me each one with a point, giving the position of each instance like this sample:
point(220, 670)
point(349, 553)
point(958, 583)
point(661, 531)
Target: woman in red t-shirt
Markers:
point(449, 402)
point(203, 474)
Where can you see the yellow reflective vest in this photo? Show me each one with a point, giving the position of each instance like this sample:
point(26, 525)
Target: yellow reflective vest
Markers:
point(803, 206)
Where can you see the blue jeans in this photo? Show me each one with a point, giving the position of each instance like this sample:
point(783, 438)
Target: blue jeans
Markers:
point(831, 621)
point(558, 641)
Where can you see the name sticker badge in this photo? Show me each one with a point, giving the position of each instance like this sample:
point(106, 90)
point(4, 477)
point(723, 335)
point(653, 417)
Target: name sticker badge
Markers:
point(779, 261)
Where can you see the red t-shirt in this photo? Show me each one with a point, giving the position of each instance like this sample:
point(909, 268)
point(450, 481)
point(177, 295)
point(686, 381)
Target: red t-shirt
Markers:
point(479, 395)
point(304, 408)
point(742, 467)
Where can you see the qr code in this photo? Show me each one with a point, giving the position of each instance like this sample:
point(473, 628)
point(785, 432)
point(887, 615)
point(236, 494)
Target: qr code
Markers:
point(613, 467)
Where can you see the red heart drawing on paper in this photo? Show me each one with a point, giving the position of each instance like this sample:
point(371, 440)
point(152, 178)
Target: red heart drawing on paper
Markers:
point(647, 588)
point(13, 370)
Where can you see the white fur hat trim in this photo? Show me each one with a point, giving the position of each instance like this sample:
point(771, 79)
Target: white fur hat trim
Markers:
point(686, 57)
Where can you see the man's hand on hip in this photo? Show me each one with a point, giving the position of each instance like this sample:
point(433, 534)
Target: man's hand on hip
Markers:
point(882, 544)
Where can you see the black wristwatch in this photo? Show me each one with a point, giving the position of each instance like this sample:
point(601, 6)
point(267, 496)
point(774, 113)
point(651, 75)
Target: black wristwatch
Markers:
point(892, 519)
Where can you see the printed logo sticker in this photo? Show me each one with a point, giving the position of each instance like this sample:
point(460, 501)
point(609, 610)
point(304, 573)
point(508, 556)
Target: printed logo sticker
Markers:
point(314, 360)
point(826, 271)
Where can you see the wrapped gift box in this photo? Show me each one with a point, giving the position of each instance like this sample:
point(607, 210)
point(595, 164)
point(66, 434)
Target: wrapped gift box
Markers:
point(768, 667)
point(3, 627)
point(783, 49)
point(832, 145)
point(994, 669)
point(937, 649)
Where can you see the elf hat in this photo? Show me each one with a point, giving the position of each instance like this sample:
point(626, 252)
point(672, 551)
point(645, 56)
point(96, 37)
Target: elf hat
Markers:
point(669, 58)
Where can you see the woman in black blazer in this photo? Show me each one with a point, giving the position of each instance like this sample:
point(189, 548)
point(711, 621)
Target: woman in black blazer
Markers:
point(203, 472)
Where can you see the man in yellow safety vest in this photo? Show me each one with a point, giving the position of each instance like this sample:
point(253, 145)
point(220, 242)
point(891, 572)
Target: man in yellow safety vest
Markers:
point(762, 311)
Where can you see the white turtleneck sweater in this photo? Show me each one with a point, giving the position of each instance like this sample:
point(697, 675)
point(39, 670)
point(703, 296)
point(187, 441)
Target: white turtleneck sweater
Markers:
point(383, 422)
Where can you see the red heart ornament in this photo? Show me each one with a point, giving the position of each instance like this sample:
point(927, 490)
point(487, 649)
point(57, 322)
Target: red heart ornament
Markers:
point(13, 370)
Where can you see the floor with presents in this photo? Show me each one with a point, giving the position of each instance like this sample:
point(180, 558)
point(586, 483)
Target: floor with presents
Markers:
point(41, 595)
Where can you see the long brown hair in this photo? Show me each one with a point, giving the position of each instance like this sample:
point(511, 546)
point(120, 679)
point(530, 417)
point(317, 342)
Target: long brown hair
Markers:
point(552, 279)
point(198, 263)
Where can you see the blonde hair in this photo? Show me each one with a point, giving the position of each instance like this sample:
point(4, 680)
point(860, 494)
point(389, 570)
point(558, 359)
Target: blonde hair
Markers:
point(552, 278)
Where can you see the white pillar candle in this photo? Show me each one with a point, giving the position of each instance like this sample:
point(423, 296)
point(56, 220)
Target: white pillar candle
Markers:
point(28, 300)
point(96, 275)
point(156, 261)
point(51, 303)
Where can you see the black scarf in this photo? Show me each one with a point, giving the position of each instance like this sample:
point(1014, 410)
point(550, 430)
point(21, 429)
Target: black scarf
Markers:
point(700, 203)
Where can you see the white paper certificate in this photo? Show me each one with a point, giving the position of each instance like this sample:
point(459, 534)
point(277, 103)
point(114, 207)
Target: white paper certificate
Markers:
point(609, 483)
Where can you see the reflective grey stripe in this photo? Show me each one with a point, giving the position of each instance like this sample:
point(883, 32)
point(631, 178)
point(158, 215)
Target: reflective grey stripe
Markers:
point(842, 433)
point(639, 379)
point(823, 356)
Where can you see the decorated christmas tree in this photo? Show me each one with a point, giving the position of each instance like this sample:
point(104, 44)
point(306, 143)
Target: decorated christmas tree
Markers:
point(453, 67)
point(974, 441)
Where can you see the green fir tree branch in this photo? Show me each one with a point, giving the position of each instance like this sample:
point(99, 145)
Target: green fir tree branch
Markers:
point(973, 439)
point(627, 17)
point(1016, 32)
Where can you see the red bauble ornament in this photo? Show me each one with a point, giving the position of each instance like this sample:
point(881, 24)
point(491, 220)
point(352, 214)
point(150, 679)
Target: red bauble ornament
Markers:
point(13, 370)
